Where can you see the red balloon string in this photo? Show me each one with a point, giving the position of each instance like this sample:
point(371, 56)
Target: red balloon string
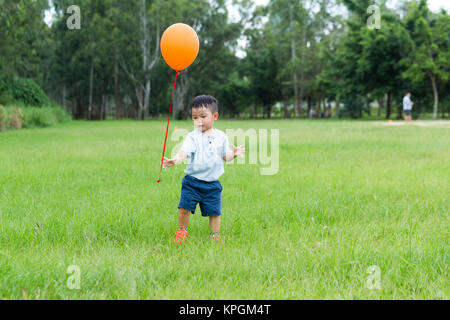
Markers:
point(167, 129)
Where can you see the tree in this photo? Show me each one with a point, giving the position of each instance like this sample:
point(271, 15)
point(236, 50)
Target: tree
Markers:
point(379, 65)
point(23, 38)
point(145, 36)
point(215, 60)
point(290, 23)
point(263, 67)
point(429, 48)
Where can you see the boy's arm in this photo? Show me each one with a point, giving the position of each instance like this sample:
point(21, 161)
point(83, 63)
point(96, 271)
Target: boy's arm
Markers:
point(167, 163)
point(186, 149)
point(236, 152)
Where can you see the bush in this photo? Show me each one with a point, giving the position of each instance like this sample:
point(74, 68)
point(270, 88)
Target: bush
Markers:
point(38, 117)
point(31, 117)
point(60, 114)
point(2, 119)
point(10, 118)
point(22, 90)
point(6, 98)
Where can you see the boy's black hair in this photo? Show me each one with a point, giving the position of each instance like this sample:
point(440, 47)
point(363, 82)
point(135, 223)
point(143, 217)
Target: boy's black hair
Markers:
point(205, 101)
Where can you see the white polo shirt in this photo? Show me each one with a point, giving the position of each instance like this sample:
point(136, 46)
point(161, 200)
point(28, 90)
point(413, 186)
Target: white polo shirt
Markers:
point(406, 103)
point(206, 154)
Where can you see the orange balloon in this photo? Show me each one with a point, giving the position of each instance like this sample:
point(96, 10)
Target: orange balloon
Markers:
point(179, 46)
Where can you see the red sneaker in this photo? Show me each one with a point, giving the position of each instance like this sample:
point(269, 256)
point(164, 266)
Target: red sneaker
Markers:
point(180, 236)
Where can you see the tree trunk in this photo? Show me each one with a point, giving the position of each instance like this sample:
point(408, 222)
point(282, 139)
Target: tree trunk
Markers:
point(180, 111)
point(117, 96)
point(287, 113)
point(147, 65)
point(140, 101)
point(388, 106)
point(146, 98)
point(302, 75)
point(318, 107)
point(399, 112)
point(132, 109)
point(380, 105)
point(103, 108)
point(309, 107)
point(64, 94)
point(145, 44)
point(436, 96)
point(252, 111)
point(336, 108)
point(297, 106)
point(118, 111)
point(79, 109)
point(91, 89)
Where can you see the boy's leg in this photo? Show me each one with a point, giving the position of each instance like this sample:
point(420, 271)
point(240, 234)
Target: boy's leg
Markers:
point(214, 224)
point(183, 218)
point(183, 221)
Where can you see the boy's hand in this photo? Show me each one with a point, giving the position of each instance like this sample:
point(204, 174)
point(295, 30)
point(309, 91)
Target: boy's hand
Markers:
point(238, 151)
point(167, 163)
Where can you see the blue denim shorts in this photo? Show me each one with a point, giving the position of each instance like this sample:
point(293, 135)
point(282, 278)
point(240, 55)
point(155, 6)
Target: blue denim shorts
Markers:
point(207, 194)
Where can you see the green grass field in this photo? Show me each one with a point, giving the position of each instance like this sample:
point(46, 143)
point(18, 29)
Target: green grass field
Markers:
point(348, 195)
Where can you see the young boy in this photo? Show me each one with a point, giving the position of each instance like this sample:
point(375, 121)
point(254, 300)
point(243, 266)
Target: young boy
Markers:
point(207, 149)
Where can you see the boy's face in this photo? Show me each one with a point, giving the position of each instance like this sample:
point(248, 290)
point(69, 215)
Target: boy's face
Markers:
point(203, 118)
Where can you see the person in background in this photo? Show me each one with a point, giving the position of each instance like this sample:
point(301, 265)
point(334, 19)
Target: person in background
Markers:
point(407, 106)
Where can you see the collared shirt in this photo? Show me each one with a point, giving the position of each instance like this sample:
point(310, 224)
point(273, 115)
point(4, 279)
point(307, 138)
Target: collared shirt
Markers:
point(206, 154)
point(407, 103)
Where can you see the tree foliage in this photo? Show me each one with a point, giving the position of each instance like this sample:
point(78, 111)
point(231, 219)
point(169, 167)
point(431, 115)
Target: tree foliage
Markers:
point(304, 55)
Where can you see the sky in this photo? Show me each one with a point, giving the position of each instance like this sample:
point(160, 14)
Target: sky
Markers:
point(436, 5)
